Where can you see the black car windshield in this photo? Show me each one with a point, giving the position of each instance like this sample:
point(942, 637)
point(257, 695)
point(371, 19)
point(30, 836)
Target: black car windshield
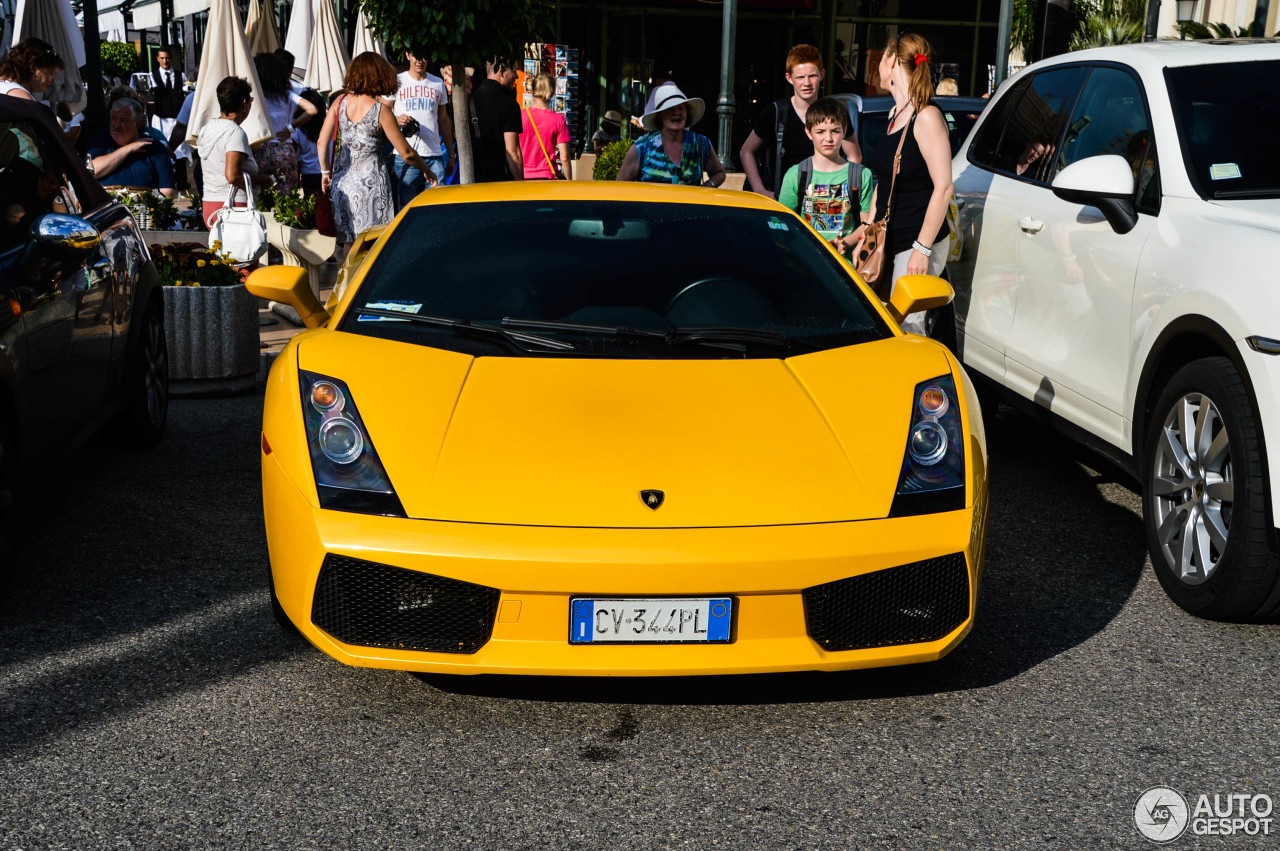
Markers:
point(1224, 121)
point(610, 279)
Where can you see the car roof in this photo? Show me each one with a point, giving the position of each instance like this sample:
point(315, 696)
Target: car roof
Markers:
point(592, 190)
point(1153, 56)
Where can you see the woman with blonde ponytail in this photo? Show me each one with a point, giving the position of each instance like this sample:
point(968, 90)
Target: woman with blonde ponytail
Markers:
point(917, 233)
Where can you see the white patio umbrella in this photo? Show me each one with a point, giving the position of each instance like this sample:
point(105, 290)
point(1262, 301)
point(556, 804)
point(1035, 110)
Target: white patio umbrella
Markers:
point(365, 38)
point(260, 27)
point(226, 54)
point(297, 39)
point(328, 60)
point(55, 22)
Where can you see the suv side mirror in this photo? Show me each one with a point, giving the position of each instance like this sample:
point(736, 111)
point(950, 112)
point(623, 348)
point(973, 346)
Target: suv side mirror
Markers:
point(69, 236)
point(1105, 182)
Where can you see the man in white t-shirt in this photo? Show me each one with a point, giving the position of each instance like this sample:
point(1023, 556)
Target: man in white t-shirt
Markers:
point(422, 97)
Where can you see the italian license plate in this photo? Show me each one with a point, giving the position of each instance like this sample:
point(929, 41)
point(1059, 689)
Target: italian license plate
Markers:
point(661, 620)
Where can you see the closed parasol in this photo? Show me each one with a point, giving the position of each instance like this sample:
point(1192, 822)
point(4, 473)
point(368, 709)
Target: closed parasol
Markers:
point(366, 40)
point(328, 60)
point(226, 54)
point(297, 38)
point(55, 22)
point(260, 27)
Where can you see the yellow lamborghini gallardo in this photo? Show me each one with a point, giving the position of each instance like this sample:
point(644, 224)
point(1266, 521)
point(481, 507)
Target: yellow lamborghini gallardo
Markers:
point(596, 428)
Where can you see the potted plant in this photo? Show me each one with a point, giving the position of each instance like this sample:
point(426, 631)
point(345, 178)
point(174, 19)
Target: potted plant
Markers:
point(157, 216)
point(291, 227)
point(609, 162)
point(211, 320)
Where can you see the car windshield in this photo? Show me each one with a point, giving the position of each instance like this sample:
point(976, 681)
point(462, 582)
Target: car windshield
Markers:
point(1224, 120)
point(610, 279)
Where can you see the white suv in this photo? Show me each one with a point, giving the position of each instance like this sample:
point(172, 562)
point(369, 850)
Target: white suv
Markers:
point(1121, 213)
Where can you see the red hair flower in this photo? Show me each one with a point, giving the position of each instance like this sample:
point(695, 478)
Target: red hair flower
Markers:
point(921, 59)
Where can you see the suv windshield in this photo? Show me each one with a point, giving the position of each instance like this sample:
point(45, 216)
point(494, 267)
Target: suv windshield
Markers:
point(610, 279)
point(1224, 119)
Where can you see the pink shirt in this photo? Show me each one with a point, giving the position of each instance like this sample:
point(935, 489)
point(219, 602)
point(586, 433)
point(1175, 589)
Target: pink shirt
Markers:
point(554, 130)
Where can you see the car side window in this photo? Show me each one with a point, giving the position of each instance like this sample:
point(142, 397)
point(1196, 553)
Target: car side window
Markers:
point(31, 184)
point(982, 151)
point(1111, 118)
point(1032, 127)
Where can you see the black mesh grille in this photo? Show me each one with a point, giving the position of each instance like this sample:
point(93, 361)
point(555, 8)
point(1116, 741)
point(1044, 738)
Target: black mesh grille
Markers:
point(901, 605)
point(377, 605)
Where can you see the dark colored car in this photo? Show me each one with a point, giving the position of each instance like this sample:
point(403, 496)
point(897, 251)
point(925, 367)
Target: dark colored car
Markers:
point(870, 117)
point(82, 340)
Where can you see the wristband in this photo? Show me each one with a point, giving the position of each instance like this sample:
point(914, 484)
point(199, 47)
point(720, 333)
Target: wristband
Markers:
point(324, 171)
point(927, 252)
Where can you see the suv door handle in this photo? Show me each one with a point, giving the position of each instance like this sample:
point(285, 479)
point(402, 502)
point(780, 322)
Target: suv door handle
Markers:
point(1030, 225)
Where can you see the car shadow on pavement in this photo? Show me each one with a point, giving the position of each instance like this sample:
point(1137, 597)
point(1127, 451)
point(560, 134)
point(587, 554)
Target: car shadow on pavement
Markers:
point(141, 575)
point(1061, 562)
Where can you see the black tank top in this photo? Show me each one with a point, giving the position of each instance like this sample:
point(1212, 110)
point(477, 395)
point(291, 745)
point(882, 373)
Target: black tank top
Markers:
point(913, 191)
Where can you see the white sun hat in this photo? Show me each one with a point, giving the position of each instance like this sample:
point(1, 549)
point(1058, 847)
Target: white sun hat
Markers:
point(666, 96)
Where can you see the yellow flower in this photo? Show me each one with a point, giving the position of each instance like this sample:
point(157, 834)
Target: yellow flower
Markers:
point(201, 263)
point(217, 245)
point(177, 283)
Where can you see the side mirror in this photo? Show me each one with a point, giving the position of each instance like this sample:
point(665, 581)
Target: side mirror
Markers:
point(288, 285)
point(913, 293)
point(1105, 182)
point(69, 236)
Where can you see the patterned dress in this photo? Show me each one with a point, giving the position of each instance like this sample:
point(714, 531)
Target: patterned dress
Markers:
point(657, 167)
point(359, 190)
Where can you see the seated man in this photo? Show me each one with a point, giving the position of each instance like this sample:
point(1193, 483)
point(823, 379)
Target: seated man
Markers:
point(125, 156)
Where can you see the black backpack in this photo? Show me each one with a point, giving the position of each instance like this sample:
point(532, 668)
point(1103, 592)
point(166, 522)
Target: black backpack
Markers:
point(806, 176)
point(770, 167)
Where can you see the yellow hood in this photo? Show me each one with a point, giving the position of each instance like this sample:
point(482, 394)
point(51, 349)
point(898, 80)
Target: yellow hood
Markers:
point(573, 442)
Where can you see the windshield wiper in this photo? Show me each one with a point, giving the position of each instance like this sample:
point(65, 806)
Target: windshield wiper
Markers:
point(464, 326)
point(736, 339)
point(607, 330)
point(733, 339)
point(1273, 192)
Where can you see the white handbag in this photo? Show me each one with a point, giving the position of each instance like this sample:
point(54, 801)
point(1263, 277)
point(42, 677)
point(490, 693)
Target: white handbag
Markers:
point(241, 230)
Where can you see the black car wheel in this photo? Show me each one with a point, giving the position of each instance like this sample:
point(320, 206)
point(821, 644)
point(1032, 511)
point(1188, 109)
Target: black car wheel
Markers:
point(1204, 496)
point(148, 383)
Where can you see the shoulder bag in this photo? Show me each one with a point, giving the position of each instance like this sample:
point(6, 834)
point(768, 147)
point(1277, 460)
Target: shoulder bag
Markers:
point(324, 204)
point(241, 230)
point(871, 259)
point(556, 171)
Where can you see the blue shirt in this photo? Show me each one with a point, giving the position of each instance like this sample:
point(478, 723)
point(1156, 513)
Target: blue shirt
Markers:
point(150, 168)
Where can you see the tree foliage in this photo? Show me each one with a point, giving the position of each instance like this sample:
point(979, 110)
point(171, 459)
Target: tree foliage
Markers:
point(1023, 32)
point(1195, 29)
point(1105, 22)
point(461, 33)
point(468, 31)
point(119, 59)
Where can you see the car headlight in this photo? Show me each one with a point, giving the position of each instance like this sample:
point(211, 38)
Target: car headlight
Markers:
point(932, 477)
point(349, 475)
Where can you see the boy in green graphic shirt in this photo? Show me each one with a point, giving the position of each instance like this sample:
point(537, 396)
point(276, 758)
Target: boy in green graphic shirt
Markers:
point(830, 193)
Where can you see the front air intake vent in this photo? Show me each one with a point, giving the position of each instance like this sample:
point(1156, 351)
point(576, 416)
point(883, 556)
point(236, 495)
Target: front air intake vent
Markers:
point(377, 605)
point(909, 604)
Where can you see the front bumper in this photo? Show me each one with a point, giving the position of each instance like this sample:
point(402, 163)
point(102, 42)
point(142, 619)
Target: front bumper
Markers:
point(538, 569)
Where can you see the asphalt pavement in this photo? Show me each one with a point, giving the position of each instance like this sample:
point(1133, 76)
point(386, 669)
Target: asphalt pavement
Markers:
point(148, 699)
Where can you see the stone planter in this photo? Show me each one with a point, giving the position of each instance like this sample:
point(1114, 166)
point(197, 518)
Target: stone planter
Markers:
point(306, 248)
point(213, 340)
